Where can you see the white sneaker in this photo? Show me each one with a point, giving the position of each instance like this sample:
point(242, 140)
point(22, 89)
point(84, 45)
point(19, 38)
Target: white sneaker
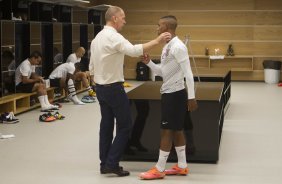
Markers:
point(54, 106)
point(6, 136)
point(46, 108)
point(79, 103)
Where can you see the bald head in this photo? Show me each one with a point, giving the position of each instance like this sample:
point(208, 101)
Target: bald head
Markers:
point(115, 17)
point(170, 21)
point(112, 11)
point(80, 51)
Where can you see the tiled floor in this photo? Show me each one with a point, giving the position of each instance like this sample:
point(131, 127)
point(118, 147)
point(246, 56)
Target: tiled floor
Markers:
point(66, 152)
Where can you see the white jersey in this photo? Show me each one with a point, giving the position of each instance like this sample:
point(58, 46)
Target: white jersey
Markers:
point(73, 59)
point(62, 70)
point(175, 65)
point(24, 69)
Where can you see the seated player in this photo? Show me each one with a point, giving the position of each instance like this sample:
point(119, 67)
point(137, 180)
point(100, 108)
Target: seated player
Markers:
point(62, 77)
point(28, 81)
point(80, 76)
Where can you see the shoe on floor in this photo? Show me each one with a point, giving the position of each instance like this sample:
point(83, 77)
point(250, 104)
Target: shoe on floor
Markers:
point(152, 174)
point(47, 117)
point(8, 118)
point(175, 170)
point(118, 171)
point(126, 84)
point(59, 116)
point(88, 99)
point(57, 104)
point(91, 93)
point(79, 103)
point(103, 169)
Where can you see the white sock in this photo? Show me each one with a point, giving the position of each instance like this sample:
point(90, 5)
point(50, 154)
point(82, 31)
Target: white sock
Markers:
point(89, 88)
point(162, 160)
point(181, 155)
point(46, 100)
point(71, 88)
point(72, 93)
point(77, 101)
point(42, 102)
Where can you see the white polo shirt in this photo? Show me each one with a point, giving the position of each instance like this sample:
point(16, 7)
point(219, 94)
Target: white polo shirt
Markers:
point(73, 59)
point(24, 69)
point(62, 70)
point(175, 65)
point(107, 55)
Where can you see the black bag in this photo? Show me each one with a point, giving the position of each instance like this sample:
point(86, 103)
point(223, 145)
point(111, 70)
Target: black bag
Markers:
point(142, 72)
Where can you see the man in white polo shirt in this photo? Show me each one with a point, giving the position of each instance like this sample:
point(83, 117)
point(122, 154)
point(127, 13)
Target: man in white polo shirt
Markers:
point(28, 81)
point(106, 63)
point(62, 77)
point(175, 66)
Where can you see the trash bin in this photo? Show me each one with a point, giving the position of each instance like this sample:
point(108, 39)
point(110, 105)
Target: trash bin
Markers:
point(271, 71)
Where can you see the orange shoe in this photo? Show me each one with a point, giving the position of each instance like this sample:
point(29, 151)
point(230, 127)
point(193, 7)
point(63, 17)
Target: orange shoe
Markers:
point(152, 174)
point(175, 170)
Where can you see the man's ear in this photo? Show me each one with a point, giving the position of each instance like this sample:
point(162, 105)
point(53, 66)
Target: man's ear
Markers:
point(115, 19)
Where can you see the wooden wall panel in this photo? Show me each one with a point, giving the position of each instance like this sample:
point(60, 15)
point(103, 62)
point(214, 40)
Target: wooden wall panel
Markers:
point(144, 17)
point(231, 64)
point(187, 17)
point(146, 32)
point(258, 61)
point(90, 32)
point(57, 30)
point(35, 33)
point(8, 32)
point(216, 33)
point(199, 62)
point(211, 5)
point(253, 27)
point(131, 62)
point(183, 4)
point(268, 4)
point(79, 15)
point(268, 49)
point(214, 17)
point(268, 17)
point(269, 33)
point(129, 73)
point(138, 5)
point(249, 76)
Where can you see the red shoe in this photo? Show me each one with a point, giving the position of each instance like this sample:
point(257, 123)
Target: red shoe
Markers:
point(280, 84)
point(152, 174)
point(175, 170)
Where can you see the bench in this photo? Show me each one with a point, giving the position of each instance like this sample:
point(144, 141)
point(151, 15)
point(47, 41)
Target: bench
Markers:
point(22, 102)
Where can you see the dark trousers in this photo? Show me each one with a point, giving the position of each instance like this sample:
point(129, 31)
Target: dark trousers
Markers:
point(114, 105)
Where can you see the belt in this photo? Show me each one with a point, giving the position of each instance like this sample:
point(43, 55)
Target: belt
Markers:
point(109, 85)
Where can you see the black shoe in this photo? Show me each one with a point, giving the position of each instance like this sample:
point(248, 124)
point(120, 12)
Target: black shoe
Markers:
point(118, 171)
point(102, 169)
